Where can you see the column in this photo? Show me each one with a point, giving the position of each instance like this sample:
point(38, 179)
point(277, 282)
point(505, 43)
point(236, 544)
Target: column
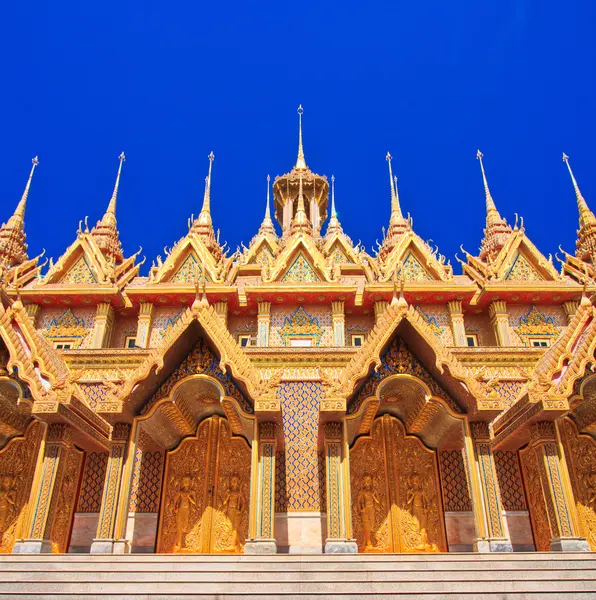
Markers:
point(221, 308)
point(262, 501)
point(102, 329)
point(570, 308)
point(53, 494)
point(457, 322)
point(380, 306)
point(339, 518)
point(339, 323)
point(488, 496)
point(264, 322)
point(104, 542)
point(549, 490)
point(500, 322)
point(144, 325)
point(122, 545)
point(287, 214)
point(33, 313)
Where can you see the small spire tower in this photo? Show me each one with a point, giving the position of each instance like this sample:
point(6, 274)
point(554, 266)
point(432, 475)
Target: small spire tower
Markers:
point(13, 246)
point(586, 234)
point(397, 224)
point(267, 227)
point(497, 230)
point(203, 225)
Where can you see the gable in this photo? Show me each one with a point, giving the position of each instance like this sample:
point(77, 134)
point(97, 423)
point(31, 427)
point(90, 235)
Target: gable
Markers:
point(413, 270)
point(301, 271)
point(263, 256)
point(398, 359)
point(189, 271)
point(522, 270)
point(338, 255)
point(80, 272)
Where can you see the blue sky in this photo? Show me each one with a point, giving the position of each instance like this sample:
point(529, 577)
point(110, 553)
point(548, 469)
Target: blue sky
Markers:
point(167, 82)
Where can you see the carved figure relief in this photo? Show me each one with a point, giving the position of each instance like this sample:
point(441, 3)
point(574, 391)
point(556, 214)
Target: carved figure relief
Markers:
point(206, 486)
point(17, 465)
point(395, 485)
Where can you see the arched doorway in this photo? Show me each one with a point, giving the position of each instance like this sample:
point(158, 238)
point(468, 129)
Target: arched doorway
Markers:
point(205, 501)
point(396, 499)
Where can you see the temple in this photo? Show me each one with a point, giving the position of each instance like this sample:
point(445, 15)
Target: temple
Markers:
point(299, 395)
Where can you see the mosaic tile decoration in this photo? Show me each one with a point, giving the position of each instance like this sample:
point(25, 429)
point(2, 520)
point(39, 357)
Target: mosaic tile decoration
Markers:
point(279, 317)
point(94, 475)
point(300, 476)
point(456, 493)
point(301, 271)
point(80, 272)
point(412, 269)
point(522, 270)
point(510, 480)
point(146, 481)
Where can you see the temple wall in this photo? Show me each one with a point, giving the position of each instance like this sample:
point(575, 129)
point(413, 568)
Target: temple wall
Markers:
point(242, 325)
point(549, 321)
point(322, 323)
point(123, 327)
point(163, 319)
point(480, 325)
point(358, 324)
point(71, 323)
point(438, 319)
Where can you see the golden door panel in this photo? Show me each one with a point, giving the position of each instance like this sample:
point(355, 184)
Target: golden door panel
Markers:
point(395, 488)
point(580, 453)
point(205, 498)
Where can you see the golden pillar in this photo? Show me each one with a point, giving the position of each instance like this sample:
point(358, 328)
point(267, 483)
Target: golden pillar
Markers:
point(339, 328)
point(264, 322)
point(33, 313)
point(337, 479)
point(262, 497)
point(552, 505)
point(570, 308)
point(499, 319)
point(102, 328)
point(492, 536)
point(457, 322)
point(221, 308)
point(380, 306)
point(53, 494)
point(104, 542)
point(144, 325)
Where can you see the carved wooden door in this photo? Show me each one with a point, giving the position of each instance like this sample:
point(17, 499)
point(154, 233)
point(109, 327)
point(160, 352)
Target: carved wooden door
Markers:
point(206, 491)
point(396, 500)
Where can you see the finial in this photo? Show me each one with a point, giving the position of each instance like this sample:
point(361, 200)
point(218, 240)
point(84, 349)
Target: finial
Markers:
point(333, 211)
point(267, 209)
point(492, 214)
point(395, 207)
point(586, 216)
point(334, 225)
point(300, 162)
point(267, 227)
point(112, 205)
point(20, 210)
point(204, 217)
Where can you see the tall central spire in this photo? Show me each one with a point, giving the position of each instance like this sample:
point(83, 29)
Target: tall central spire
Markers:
point(395, 207)
point(110, 216)
point(13, 247)
point(300, 162)
point(497, 230)
point(205, 215)
point(586, 216)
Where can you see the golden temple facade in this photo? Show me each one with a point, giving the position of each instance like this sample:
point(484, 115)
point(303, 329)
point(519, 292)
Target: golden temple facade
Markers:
point(300, 394)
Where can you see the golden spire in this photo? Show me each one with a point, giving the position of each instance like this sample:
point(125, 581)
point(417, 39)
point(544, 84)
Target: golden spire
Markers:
point(300, 162)
point(586, 216)
point(105, 232)
point(300, 219)
point(110, 217)
point(395, 207)
point(13, 246)
point(334, 224)
point(205, 215)
point(492, 214)
point(267, 227)
point(18, 218)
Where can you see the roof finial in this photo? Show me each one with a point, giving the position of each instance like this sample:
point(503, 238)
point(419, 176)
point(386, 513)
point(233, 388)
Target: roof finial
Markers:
point(333, 211)
point(334, 224)
point(19, 213)
point(586, 216)
point(110, 216)
point(267, 224)
point(205, 215)
point(492, 214)
point(300, 162)
point(395, 207)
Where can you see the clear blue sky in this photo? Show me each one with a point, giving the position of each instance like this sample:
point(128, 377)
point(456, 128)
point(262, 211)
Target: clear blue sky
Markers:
point(167, 82)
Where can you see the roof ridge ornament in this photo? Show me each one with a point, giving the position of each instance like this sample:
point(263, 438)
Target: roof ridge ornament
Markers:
point(586, 216)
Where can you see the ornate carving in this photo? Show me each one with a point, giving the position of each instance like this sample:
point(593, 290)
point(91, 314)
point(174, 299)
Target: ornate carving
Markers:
point(454, 481)
point(94, 474)
point(206, 483)
point(395, 486)
point(301, 325)
point(510, 480)
point(536, 323)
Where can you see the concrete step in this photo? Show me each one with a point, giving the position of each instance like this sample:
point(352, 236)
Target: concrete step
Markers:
point(152, 577)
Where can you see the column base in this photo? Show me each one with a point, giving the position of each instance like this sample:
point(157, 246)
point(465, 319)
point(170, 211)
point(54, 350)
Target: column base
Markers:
point(260, 547)
point(32, 546)
point(341, 546)
point(492, 545)
point(109, 546)
point(570, 544)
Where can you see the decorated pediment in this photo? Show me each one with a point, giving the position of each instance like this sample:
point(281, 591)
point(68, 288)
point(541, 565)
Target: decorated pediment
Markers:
point(536, 324)
point(414, 260)
point(67, 326)
point(300, 262)
point(523, 270)
point(80, 272)
point(300, 271)
point(189, 271)
point(339, 253)
point(301, 326)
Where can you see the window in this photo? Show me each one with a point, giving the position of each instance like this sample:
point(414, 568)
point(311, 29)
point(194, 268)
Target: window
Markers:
point(63, 345)
point(471, 340)
point(539, 342)
point(130, 341)
point(301, 342)
point(357, 340)
point(244, 340)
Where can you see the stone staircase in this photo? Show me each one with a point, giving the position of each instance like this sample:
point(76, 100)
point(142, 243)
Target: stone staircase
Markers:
point(512, 576)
